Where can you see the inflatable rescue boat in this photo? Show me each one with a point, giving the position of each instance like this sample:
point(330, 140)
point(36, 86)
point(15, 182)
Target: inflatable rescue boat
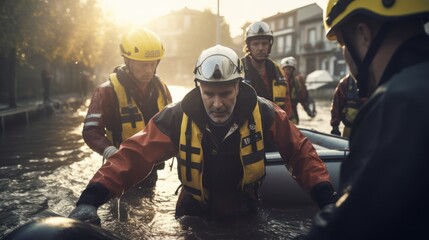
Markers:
point(280, 189)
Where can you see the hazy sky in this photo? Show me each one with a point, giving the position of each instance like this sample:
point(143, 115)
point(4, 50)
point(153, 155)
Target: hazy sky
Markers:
point(236, 12)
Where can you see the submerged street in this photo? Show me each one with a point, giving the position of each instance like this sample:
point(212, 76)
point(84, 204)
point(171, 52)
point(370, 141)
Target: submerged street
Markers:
point(45, 166)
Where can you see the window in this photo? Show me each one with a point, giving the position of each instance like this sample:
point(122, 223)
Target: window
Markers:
point(290, 21)
point(187, 22)
point(280, 44)
point(272, 25)
point(311, 36)
point(288, 43)
point(281, 24)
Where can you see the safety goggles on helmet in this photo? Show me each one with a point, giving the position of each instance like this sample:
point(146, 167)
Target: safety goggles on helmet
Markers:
point(218, 64)
point(217, 67)
point(258, 29)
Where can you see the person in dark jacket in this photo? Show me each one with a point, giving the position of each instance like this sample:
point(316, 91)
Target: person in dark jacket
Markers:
point(220, 128)
point(262, 73)
point(384, 182)
point(298, 89)
point(46, 82)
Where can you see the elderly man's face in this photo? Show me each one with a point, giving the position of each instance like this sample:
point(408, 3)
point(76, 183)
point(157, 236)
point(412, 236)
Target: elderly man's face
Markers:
point(219, 100)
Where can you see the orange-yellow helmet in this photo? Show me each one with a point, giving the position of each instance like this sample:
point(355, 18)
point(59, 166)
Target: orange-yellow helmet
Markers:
point(142, 45)
point(337, 11)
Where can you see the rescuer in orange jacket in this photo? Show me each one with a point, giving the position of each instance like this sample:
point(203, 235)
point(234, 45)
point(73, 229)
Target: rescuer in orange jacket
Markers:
point(220, 128)
point(345, 105)
point(123, 105)
point(297, 89)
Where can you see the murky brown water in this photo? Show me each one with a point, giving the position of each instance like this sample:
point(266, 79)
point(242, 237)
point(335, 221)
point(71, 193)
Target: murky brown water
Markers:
point(46, 165)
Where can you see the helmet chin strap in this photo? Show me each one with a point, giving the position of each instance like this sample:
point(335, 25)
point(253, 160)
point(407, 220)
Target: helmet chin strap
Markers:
point(129, 71)
point(362, 74)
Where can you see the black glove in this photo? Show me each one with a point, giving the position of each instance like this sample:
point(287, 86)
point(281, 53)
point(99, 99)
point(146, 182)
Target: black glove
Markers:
point(323, 193)
point(91, 198)
point(335, 131)
point(86, 213)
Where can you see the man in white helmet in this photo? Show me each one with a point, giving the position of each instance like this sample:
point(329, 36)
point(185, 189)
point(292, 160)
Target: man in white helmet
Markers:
point(219, 129)
point(262, 73)
point(384, 182)
point(297, 89)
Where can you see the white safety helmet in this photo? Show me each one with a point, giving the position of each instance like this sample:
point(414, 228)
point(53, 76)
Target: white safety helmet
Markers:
point(288, 62)
point(259, 29)
point(218, 64)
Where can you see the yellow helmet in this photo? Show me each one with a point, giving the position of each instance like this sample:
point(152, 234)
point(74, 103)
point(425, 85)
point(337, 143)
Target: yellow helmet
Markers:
point(142, 45)
point(337, 11)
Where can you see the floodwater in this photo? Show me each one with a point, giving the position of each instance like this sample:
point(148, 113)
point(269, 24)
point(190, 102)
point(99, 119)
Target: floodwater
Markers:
point(45, 166)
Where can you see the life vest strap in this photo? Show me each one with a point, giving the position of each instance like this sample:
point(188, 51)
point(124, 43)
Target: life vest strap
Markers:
point(279, 99)
point(188, 134)
point(254, 157)
point(193, 165)
point(192, 190)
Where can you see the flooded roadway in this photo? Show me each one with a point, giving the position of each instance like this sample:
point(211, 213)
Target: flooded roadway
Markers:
point(45, 166)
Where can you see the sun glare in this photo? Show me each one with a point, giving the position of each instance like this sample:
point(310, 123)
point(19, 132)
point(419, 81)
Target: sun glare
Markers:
point(236, 12)
point(132, 12)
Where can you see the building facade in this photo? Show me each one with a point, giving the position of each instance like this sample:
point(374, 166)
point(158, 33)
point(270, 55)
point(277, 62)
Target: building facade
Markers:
point(300, 33)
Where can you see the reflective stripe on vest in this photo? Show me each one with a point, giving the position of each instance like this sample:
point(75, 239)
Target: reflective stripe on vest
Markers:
point(190, 156)
point(131, 117)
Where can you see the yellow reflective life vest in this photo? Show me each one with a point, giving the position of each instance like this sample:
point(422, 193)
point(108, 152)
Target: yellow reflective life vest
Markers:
point(191, 159)
point(279, 86)
point(279, 93)
point(131, 117)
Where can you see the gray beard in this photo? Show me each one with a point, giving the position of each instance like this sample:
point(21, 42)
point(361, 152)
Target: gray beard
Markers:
point(227, 122)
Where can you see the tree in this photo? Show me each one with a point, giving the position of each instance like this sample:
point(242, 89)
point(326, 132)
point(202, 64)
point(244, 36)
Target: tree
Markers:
point(63, 32)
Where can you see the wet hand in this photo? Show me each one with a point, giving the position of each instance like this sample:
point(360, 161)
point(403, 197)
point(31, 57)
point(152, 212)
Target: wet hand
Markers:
point(86, 213)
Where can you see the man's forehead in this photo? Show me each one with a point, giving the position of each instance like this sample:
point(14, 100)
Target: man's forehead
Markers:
point(218, 86)
point(260, 39)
